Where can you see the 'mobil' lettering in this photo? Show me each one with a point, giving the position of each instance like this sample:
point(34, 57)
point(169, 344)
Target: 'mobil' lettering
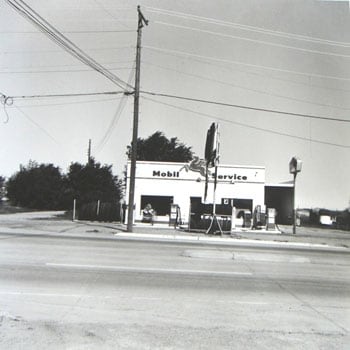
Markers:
point(165, 173)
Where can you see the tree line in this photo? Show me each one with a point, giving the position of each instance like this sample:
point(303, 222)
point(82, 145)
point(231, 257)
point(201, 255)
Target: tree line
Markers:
point(45, 187)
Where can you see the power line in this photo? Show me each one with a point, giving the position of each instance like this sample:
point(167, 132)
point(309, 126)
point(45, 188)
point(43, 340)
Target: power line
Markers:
point(251, 40)
point(183, 53)
point(109, 12)
point(6, 101)
point(247, 125)
point(245, 107)
point(117, 8)
point(67, 103)
point(243, 87)
point(59, 71)
point(260, 30)
point(60, 51)
point(30, 14)
point(99, 31)
point(115, 118)
point(206, 62)
point(113, 123)
point(68, 95)
point(67, 65)
point(37, 125)
point(72, 32)
point(5, 98)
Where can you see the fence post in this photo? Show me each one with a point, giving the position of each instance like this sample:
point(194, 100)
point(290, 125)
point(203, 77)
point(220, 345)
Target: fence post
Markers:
point(74, 208)
point(98, 208)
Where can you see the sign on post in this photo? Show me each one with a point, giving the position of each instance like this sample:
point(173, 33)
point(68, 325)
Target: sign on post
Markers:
point(295, 165)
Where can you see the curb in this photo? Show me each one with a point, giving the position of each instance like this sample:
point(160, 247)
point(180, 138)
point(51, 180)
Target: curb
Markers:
point(176, 237)
point(225, 241)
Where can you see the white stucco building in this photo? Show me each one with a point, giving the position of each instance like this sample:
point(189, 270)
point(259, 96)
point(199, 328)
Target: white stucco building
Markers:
point(162, 184)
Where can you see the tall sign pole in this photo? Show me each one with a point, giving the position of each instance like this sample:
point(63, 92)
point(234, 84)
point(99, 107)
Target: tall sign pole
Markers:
point(295, 165)
point(141, 22)
point(294, 206)
point(212, 160)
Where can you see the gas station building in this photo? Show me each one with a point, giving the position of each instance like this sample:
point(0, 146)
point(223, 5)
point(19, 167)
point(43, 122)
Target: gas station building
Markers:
point(181, 187)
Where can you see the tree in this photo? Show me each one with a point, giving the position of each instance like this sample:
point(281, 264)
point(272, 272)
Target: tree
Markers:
point(92, 182)
point(37, 187)
point(158, 147)
point(44, 187)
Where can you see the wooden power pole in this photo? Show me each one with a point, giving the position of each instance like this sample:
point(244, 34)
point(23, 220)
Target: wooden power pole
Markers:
point(89, 152)
point(141, 22)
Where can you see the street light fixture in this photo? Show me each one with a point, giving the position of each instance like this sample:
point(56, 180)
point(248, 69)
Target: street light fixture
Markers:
point(295, 165)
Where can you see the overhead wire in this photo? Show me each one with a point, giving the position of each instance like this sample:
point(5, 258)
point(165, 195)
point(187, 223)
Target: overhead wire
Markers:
point(109, 12)
point(112, 124)
point(37, 125)
point(66, 65)
point(30, 14)
point(58, 71)
point(218, 103)
point(11, 106)
point(6, 101)
point(71, 31)
point(68, 95)
point(206, 62)
point(55, 104)
point(118, 8)
point(245, 27)
point(260, 91)
point(52, 32)
point(284, 46)
point(33, 52)
point(85, 59)
point(6, 113)
point(9, 100)
point(116, 117)
point(184, 53)
point(99, 31)
point(308, 139)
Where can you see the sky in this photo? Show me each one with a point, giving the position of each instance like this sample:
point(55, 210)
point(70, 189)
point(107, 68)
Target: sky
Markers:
point(288, 56)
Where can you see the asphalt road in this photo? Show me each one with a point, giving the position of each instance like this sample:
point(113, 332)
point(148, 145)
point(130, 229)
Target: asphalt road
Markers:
point(65, 293)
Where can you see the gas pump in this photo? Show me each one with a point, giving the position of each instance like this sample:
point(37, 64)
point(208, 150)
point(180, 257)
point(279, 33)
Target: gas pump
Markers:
point(259, 217)
point(271, 219)
point(175, 215)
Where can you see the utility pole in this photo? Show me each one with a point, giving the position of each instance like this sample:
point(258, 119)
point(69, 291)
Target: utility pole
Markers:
point(141, 22)
point(89, 152)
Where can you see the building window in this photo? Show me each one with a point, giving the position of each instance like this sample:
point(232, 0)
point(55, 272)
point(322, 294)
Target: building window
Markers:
point(161, 204)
